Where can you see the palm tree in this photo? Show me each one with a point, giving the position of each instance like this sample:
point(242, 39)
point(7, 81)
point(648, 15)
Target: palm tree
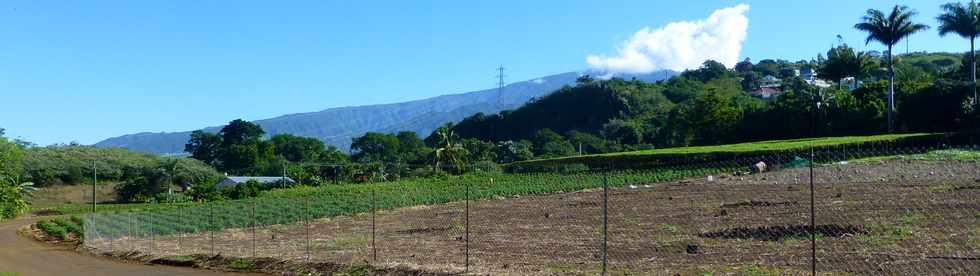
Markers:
point(889, 30)
point(964, 21)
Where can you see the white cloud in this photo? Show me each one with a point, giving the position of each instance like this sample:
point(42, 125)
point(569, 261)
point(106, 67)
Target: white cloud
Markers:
point(538, 81)
point(680, 45)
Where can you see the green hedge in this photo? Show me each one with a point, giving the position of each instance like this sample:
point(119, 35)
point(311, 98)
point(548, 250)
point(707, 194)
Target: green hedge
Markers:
point(779, 151)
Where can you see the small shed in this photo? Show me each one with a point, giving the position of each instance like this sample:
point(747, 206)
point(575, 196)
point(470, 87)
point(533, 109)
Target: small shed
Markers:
point(231, 181)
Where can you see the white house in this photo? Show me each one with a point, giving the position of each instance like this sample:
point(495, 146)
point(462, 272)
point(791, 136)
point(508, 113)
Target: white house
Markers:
point(851, 83)
point(819, 83)
point(808, 73)
point(231, 181)
point(770, 81)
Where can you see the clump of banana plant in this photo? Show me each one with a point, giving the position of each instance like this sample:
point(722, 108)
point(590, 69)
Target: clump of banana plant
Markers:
point(13, 197)
point(449, 154)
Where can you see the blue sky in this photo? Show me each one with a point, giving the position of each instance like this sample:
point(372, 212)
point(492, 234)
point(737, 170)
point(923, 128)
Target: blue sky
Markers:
point(88, 70)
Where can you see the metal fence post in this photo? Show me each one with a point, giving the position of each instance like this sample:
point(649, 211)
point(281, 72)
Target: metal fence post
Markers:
point(112, 239)
point(813, 220)
point(466, 212)
point(374, 248)
point(130, 232)
point(307, 217)
point(605, 224)
point(153, 241)
point(180, 234)
point(211, 226)
point(253, 229)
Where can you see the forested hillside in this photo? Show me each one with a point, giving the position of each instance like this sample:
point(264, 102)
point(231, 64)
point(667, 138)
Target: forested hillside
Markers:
point(715, 105)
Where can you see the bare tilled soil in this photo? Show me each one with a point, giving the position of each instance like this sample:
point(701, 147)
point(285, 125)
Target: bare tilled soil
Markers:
point(895, 218)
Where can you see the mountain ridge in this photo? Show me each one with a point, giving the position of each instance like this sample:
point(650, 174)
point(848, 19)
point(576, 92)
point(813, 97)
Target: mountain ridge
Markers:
point(336, 126)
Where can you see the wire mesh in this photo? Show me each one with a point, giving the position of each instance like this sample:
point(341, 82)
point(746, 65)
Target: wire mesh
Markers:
point(867, 210)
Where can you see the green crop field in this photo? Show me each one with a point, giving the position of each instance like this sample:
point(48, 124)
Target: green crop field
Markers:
point(777, 145)
point(298, 204)
point(84, 208)
point(659, 157)
point(301, 203)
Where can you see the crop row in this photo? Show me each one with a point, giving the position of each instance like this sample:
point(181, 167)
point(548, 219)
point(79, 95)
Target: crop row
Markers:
point(299, 204)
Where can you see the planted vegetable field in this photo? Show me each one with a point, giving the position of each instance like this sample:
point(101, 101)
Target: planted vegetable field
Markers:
point(898, 216)
point(300, 204)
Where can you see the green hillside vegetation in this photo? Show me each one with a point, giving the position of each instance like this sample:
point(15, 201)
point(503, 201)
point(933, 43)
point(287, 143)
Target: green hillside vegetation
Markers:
point(73, 164)
point(713, 105)
point(140, 177)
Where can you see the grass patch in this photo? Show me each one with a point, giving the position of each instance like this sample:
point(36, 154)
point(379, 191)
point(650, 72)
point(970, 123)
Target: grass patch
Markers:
point(343, 242)
point(975, 237)
point(756, 270)
point(240, 264)
point(668, 234)
point(773, 145)
point(911, 218)
point(936, 155)
point(888, 233)
point(586, 270)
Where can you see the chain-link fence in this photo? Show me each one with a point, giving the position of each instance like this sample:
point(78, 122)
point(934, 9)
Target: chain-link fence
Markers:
point(913, 211)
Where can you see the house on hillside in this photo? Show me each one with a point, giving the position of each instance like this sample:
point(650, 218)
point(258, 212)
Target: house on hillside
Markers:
point(810, 76)
point(767, 92)
point(851, 83)
point(232, 181)
point(808, 73)
point(819, 83)
point(770, 81)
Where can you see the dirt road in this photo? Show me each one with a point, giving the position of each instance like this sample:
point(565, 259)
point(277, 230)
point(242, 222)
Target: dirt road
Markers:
point(22, 256)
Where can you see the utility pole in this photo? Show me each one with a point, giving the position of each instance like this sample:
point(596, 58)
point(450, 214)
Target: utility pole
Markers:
point(95, 182)
point(173, 171)
point(500, 85)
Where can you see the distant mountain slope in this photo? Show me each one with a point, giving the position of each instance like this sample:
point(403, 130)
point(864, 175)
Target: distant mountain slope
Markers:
point(336, 126)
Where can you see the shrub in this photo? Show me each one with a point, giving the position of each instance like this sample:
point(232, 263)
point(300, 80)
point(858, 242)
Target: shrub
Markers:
point(857, 147)
point(240, 264)
point(248, 189)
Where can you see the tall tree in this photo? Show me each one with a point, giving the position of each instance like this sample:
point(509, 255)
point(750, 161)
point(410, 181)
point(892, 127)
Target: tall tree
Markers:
point(204, 146)
point(297, 149)
point(889, 30)
point(842, 61)
point(375, 147)
point(242, 151)
point(965, 22)
point(239, 131)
